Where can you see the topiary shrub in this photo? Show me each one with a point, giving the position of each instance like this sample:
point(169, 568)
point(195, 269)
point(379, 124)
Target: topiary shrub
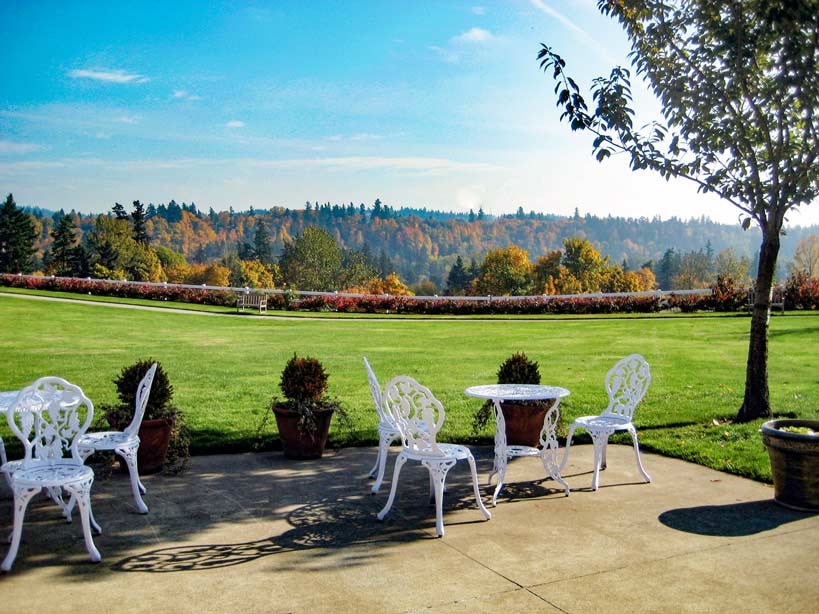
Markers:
point(159, 400)
point(158, 407)
point(518, 369)
point(303, 379)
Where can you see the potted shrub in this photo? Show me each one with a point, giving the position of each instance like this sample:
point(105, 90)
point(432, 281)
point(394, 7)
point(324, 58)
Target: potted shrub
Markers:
point(162, 434)
point(793, 446)
point(303, 418)
point(524, 419)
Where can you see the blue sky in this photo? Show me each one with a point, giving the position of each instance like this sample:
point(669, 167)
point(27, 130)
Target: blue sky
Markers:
point(436, 104)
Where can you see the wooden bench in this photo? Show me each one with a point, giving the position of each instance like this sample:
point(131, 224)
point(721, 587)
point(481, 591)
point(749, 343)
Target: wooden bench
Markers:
point(251, 300)
point(777, 300)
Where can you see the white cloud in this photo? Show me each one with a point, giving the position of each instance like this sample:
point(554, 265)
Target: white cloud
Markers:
point(102, 135)
point(128, 119)
point(473, 35)
point(479, 10)
point(9, 147)
point(108, 76)
point(235, 123)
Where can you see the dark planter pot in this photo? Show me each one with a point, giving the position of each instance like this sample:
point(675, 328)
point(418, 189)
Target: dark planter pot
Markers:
point(524, 421)
point(794, 463)
point(298, 444)
point(154, 438)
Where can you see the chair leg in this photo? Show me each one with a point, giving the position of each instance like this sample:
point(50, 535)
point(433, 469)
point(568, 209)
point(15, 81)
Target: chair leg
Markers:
point(437, 472)
point(21, 498)
point(568, 447)
point(474, 470)
point(384, 442)
point(643, 472)
point(600, 440)
point(129, 455)
point(82, 492)
point(3, 458)
point(399, 462)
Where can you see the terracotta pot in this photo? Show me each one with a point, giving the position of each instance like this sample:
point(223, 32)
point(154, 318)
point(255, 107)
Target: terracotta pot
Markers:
point(298, 444)
point(794, 463)
point(154, 437)
point(524, 422)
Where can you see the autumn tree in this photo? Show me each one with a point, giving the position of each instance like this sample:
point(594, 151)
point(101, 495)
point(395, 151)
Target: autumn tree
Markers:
point(505, 271)
point(17, 236)
point(738, 82)
point(806, 257)
point(727, 265)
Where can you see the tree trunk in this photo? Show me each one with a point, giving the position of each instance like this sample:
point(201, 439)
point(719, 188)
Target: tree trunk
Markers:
point(757, 403)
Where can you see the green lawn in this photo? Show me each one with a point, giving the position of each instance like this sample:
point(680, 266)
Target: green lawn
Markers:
point(225, 369)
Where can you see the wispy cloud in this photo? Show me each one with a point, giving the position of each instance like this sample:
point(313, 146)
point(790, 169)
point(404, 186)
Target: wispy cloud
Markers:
point(542, 6)
point(128, 119)
point(10, 147)
point(473, 35)
point(479, 10)
point(447, 55)
point(184, 95)
point(235, 123)
point(108, 76)
point(372, 163)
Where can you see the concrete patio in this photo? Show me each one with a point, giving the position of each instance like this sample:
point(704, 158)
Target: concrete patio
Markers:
point(257, 533)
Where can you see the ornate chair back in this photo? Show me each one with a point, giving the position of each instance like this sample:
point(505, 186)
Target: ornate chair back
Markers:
point(49, 417)
point(142, 394)
point(417, 414)
point(375, 389)
point(626, 385)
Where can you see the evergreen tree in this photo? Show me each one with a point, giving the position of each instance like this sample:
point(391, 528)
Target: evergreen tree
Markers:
point(385, 265)
point(262, 249)
point(17, 236)
point(63, 260)
point(457, 282)
point(140, 233)
point(119, 211)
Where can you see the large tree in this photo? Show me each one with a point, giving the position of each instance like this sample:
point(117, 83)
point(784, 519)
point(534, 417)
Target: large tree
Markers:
point(738, 81)
point(312, 260)
point(17, 235)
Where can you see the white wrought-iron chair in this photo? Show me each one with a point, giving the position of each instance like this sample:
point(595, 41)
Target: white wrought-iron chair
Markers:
point(124, 443)
point(626, 384)
point(49, 417)
point(419, 417)
point(387, 431)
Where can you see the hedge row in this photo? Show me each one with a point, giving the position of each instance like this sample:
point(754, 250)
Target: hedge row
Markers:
point(123, 290)
point(800, 292)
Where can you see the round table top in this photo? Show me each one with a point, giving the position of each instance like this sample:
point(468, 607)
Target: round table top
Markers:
point(516, 392)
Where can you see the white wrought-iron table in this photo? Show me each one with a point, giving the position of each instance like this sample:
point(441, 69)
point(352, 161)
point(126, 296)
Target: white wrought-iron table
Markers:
point(547, 452)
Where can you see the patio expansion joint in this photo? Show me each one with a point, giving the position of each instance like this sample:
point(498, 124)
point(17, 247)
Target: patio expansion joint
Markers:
point(518, 585)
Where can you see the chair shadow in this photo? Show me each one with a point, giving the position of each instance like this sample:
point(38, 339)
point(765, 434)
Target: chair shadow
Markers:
point(320, 527)
point(733, 519)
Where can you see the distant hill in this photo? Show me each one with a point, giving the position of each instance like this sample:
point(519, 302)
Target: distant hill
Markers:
point(422, 244)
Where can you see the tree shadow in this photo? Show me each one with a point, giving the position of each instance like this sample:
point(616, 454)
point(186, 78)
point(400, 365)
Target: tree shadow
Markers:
point(733, 519)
